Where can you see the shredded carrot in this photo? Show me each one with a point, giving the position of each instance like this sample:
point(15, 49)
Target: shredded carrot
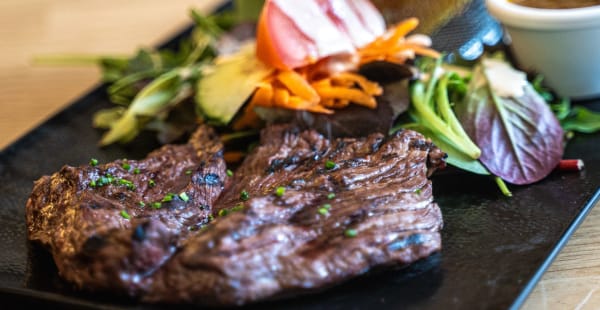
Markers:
point(263, 95)
point(397, 34)
point(280, 96)
point(298, 85)
point(310, 88)
point(367, 86)
point(232, 157)
point(248, 119)
point(402, 29)
point(351, 94)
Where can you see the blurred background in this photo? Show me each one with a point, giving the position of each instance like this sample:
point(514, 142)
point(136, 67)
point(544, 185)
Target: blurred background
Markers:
point(29, 28)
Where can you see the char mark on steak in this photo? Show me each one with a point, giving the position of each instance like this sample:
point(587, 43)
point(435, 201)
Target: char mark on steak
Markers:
point(301, 213)
point(349, 205)
point(110, 226)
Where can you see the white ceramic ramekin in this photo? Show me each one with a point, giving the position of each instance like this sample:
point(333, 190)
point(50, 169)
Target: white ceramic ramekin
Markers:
point(561, 44)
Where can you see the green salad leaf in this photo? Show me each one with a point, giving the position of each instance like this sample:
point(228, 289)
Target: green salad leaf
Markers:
point(433, 115)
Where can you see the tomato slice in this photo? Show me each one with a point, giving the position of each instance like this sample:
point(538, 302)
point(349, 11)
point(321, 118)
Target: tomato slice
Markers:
point(292, 34)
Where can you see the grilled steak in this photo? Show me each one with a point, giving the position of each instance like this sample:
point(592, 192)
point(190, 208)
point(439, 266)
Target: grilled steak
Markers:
point(302, 212)
point(109, 226)
point(348, 205)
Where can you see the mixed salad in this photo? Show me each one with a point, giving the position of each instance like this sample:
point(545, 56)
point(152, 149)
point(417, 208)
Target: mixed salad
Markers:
point(265, 60)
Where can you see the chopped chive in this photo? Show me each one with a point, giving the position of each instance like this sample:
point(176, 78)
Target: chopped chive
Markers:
point(126, 166)
point(151, 183)
point(188, 172)
point(141, 204)
point(323, 211)
point(418, 191)
point(93, 162)
point(229, 173)
point(326, 206)
point(329, 165)
point(330, 195)
point(92, 183)
point(280, 191)
point(244, 195)
point(183, 196)
point(104, 181)
point(156, 205)
point(350, 233)
point(211, 217)
point(127, 183)
point(125, 215)
point(136, 171)
point(168, 197)
point(238, 207)
point(223, 212)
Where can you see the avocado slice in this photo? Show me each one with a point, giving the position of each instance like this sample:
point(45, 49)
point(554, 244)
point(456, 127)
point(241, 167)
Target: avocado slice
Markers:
point(225, 86)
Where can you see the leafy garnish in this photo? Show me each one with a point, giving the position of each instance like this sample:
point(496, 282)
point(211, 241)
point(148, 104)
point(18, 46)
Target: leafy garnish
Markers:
point(520, 138)
point(433, 116)
point(581, 119)
point(152, 84)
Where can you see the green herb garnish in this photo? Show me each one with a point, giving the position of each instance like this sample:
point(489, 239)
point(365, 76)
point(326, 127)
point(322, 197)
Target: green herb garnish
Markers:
point(280, 191)
point(223, 212)
point(330, 195)
point(183, 196)
point(350, 233)
point(127, 183)
point(168, 197)
point(229, 173)
point(125, 215)
point(93, 162)
point(238, 207)
point(244, 195)
point(329, 165)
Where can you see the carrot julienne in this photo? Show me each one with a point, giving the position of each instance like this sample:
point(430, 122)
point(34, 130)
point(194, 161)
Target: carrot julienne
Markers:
point(307, 88)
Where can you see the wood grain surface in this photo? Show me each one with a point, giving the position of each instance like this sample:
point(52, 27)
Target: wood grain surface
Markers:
point(30, 94)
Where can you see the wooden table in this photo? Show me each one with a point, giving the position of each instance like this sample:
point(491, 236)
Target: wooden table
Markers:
point(30, 94)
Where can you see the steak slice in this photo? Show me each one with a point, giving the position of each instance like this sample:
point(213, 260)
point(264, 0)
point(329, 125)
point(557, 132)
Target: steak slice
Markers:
point(110, 226)
point(349, 205)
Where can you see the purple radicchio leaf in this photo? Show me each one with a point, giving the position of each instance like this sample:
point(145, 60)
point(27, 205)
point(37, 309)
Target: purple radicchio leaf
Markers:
point(520, 138)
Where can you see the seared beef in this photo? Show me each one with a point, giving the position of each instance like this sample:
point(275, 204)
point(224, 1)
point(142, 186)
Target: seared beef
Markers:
point(349, 205)
point(110, 226)
point(302, 212)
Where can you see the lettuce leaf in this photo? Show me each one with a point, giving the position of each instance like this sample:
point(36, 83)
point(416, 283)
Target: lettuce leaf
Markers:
point(520, 138)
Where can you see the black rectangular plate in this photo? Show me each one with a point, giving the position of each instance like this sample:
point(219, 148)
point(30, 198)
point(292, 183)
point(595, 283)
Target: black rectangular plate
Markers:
point(494, 248)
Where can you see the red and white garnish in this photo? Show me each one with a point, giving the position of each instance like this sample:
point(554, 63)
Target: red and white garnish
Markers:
point(315, 48)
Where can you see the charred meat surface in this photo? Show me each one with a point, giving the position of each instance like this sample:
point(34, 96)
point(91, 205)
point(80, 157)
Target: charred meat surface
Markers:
point(111, 226)
point(303, 212)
